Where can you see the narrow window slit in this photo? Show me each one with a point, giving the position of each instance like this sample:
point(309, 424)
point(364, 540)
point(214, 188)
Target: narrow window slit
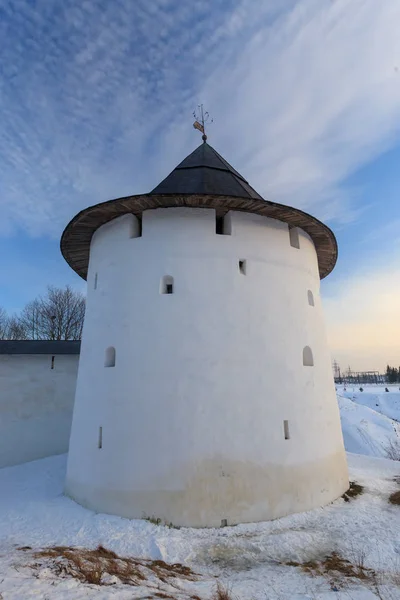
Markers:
point(95, 282)
point(167, 285)
point(52, 362)
point(136, 228)
point(109, 359)
point(294, 237)
point(224, 522)
point(242, 267)
point(308, 359)
point(219, 225)
point(100, 444)
point(286, 429)
point(310, 298)
point(223, 225)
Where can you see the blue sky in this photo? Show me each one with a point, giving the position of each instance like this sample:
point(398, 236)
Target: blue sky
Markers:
point(96, 100)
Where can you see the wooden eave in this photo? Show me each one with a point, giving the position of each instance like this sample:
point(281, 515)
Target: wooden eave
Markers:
point(76, 238)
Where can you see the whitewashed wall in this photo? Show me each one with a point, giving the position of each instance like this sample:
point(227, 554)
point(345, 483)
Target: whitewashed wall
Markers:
point(36, 404)
point(192, 413)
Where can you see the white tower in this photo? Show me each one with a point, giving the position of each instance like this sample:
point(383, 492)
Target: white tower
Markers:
point(205, 393)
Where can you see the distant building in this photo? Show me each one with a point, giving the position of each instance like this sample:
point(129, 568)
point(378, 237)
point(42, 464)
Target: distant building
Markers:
point(37, 387)
point(205, 394)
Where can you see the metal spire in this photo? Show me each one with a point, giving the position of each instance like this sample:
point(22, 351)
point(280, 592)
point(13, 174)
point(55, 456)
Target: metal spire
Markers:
point(201, 119)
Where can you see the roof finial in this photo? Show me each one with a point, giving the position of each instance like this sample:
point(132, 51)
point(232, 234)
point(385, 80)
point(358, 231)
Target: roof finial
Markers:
point(201, 120)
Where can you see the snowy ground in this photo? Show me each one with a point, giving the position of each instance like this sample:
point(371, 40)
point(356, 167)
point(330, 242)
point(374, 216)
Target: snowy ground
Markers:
point(370, 419)
point(250, 559)
point(375, 397)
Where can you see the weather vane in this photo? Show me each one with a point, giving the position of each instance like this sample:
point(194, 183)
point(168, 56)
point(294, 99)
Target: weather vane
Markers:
point(201, 119)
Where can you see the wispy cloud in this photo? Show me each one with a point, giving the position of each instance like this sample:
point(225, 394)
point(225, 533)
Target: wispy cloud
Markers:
point(97, 98)
point(316, 96)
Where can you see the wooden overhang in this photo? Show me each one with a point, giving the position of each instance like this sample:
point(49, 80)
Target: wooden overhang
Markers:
point(76, 238)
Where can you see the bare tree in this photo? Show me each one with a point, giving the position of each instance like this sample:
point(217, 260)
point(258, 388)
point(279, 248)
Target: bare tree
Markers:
point(15, 329)
point(30, 319)
point(10, 327)
point(3, 324)
point(56, 316)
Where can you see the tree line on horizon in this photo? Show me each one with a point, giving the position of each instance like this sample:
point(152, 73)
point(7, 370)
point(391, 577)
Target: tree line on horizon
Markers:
point(392, 374)
point(57, 315)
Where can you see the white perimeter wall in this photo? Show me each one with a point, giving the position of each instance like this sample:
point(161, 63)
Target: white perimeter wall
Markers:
point(36, 404)
point(192, 413)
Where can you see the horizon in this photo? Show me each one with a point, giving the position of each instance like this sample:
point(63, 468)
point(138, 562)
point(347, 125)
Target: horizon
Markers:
point(98, 104)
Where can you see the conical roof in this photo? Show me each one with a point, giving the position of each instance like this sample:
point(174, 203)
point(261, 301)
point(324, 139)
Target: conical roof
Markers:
point(205, 171)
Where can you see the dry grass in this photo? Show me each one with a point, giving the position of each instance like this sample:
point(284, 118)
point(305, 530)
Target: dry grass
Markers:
point(395, 577)
point(354, 490)
point(165, 571)
point(222, 593)
point(392, 449)
point(395, 498)
point(158, 521)
point(97, 566)
point(337, 568)
point(100, 567)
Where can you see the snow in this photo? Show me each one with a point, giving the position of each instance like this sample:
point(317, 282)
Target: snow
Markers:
point(375, 397)
point(364, 430)
point(370, 419)
point(247, 558)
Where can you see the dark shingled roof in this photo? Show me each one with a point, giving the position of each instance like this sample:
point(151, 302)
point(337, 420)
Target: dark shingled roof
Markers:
point(40, 347)
point(204, 171)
